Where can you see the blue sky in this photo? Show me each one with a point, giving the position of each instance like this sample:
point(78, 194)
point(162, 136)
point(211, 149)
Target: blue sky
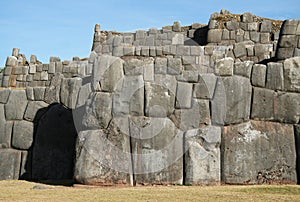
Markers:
point(65, 28)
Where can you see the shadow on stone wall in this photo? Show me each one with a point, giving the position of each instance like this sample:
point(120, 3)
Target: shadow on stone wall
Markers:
point(52, 154)
point(200, 37)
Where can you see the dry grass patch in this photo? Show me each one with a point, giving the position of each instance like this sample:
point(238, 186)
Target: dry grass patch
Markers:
point(28, 191)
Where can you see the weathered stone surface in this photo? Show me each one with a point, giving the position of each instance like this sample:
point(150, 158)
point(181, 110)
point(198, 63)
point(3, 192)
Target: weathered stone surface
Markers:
point(34, 110)
point(4, 138)
point(103, 158)
point(4, 95)
point(263, 104)
point(174, 66)
point(243, 68)
point(205, 88)
point(239, 50)
point(275, 78)
point(22, 135)
point(184, 95)
point(39, 93)
point(83, 94)
point(287, 107)
point(129, 97)
point(214, 36)
point(134, 67)
point(98, 111)
point(289, 27)
point(266, 26)
point(251, 153)
point(292, 74)
point(10, 161)
point(258, 78)
point(202, 156)
point(160, 96)
point(53, 91)
point(247, 17)
point(11, 61)
point(107, 72)
point(287, 41)
point(69, 91)
point(157, 151)
point(161, 65)
point(284, 53)
point(53, 150)
point(224, 67)
point(16, 105)
point(148, 70)
point(225, 108)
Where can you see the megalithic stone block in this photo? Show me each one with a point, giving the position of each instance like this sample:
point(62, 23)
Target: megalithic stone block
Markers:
point(10, 162)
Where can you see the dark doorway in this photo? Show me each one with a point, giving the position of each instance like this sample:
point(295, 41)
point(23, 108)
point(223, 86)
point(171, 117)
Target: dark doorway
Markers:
point(53, 149)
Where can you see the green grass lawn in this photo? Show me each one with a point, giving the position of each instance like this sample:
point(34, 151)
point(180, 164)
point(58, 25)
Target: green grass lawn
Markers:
point(29, 191)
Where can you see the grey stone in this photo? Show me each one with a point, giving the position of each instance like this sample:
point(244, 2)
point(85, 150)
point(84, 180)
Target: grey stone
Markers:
point(253, 26)
point(118, 51)
point(259, 75)
point(255, 36)
point(107, 72)
point(140, 34)
point(7, 71)
point(103, 158)
point(83, 94)
point(214, 36)
point(33, 59)
point(11, 61)
point(160, 96)
point(149, 41)
point(224, 67)
point(239, 50)
point(18, 70)
point(232, 25)
point(205, 88)
point(33, 109)
point(284, 53)
point(184, 95)
point(129, 98)
point(275, 78)
point(291, 74)
point(251, 153)
point(22, 135)
point(10, 161)
point(174, 66)
point(188, 76)
point(145, 51)
point(266, 26)
point(289, 27)
point(247, 17)
point(44, 76)
point(287, 41)
point(117, 40)
point(39, 93)
point(134, 67)
point(148, 69)
point(98, 111)
point(197, 50)
point(29, 93)
point(4, 95)
point(243, 68)
point(178, 39)
point(4, 138)
point(225, 108)
point(176, 26)
point(16, 105)
point(128, 50)
point(69, 91)
point(157, 151)
point(287, 107)
point(225, 35)
point(183, 50)
point(52, 93)
point(203, 156)
point(265, 38)
point(263, 104)
point(212, 24)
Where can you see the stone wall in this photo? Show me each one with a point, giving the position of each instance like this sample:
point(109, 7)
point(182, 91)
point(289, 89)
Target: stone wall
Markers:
point(155, 107)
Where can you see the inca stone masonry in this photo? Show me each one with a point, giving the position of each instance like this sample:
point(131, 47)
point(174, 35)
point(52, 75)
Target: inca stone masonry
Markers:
point(199, 104)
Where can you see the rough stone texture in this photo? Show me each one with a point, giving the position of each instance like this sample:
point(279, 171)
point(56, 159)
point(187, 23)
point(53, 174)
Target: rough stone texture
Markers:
point(34, 110)
point(184, 95)
point(16, 105)
point(263, 104)
point(275, 76)
point(4, 95)
point(214, 36)
point(22, 135)
point(205, 88)
point(83, 94)
point(225, 108)
point(52, 93)
point(102, 158)
point(258, 78)
point(157, 151)
point(98, 111)
point(10, 161)
point(203, 156)
point(224, 67)
point(251, 153)
point(239, 50)
point(243, 68)
point(69, 91)
point(39, 93)
point(4, 137)
point(291, 74)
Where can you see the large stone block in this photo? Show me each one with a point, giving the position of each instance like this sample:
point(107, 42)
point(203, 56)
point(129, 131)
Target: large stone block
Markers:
point(157, 150)
point(134, 67)
point(287, 41)
point(103, 158)
point(53, 91)
point(129, 97)
point(10, 161)
point(16, 105)
point(243, 68)
point(39, 93)
point(184, 95)
point(4, 95)
point(263, 104)
point(292, 74)
point(289, 27)
point(239, 50)
point(107, 73)
point(275, 78)
point(69, 91)
point(258, 78)
point(224, 67)
point(258, 153)
point(214, 36)
point(34, 110)
point(205, 88)
point(83, 95)
point(98, 111)
point(203, 156)
point(232, 99)
point(22, 135)
point(160, 96)
point(174, 66)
